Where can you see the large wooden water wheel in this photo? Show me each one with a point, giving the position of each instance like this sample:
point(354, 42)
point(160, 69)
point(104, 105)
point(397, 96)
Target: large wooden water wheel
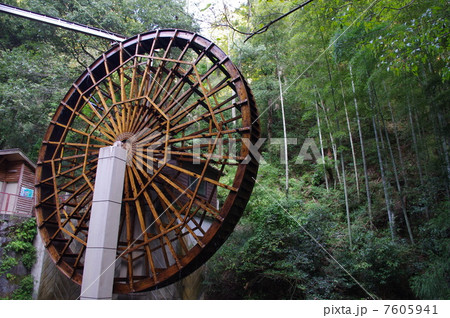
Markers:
point(187, 117)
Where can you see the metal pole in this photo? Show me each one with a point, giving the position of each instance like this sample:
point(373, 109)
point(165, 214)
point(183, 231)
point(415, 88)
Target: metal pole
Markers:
point(62, 23)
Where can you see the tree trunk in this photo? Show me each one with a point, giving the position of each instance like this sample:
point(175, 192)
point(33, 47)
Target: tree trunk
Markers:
point(321, 147)
point(285, 135)
point(347, 208)
point(379, 140)
point(422, 146)
point(397, 182)
point(383, 179)
point(397, 140)
point(416, 151)
point(394, 167)
point(333, 144)
point(344, 182)
point(445, 150)
point(351, 144)
point(269, 119)
point(363, 154)
point(414, 139)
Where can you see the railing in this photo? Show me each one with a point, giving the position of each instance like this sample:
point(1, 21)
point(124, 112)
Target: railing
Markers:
point(11, 203)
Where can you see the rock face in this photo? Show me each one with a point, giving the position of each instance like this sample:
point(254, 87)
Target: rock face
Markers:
point(7, 286)
point(49, 282)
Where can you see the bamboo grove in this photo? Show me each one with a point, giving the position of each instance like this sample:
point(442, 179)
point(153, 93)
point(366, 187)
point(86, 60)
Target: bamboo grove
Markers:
point(366, 80)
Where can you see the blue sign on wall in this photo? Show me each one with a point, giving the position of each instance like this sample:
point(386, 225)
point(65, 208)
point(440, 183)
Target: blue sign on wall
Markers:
point(27, 193)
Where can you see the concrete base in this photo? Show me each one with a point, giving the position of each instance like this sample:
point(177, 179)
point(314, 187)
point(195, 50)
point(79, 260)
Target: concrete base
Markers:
point(53, 284)
point(98, 274)
point(37, 267)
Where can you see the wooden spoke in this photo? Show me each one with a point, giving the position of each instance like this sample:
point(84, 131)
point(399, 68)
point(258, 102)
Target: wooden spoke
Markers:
point(178, 105)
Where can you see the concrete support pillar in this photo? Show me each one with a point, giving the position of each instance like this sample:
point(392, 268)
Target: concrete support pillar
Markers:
point(98, 274)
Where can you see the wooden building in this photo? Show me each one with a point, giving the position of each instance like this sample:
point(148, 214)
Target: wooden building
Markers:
point(17, 173)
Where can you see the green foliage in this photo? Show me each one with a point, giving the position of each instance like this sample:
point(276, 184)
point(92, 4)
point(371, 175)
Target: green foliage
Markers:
point(38, 62)
point(26, 231)
point(272, 256)
point(19, 250)
point(380, 263)
point(398, 53)
point(268, 257)
point(10, 276)
point(433, 282)
point(29, 258)
point(433, 278)
point(25, 289)
point(28, 95)
point(7, 263)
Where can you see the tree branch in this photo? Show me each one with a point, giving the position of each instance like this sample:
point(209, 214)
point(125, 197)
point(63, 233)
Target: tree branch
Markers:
point(229, 24)
point(266, 27)
point(401, 8)
point(397, 9)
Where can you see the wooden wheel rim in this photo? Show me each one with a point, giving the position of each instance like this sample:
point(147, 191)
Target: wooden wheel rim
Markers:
point(160, 93)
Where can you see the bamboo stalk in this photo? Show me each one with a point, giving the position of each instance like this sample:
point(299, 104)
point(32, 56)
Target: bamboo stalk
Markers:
point(321, 148)
point(383, 178)
point(333, 144)
point(363, 154)
point(351, 143)
point(285, 136)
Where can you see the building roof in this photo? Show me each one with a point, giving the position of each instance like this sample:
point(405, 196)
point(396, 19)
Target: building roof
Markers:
point(16, 155)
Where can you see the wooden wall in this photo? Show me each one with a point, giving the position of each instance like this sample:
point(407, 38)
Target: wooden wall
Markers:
point(26, 205)
point(10, 171)
point(2, 173)
point(21, 173)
